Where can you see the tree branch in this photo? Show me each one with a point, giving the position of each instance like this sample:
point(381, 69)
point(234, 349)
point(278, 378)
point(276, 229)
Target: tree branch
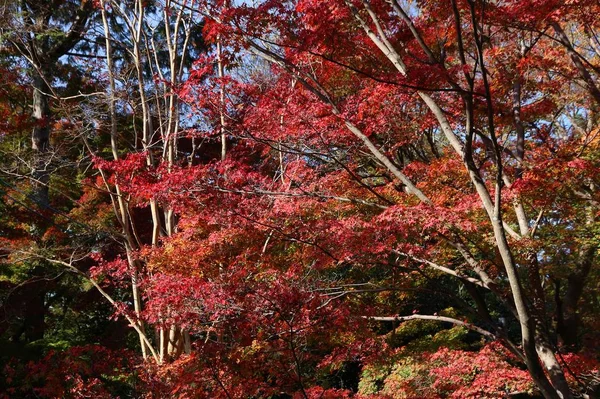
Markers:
point(445, 319)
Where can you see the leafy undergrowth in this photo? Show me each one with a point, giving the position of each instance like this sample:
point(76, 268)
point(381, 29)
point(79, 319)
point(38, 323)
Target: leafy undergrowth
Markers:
point(441, 363)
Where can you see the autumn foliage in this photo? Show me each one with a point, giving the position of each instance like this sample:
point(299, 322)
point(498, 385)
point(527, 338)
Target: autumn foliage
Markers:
point(309, 199)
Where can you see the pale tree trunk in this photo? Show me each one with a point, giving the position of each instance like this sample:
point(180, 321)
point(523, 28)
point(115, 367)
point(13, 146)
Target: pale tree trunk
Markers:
point(519, 154)
point(135, 26)
point(123, 214)
point(136, 29)
point(173, 340)
point(147, 125)
point(221, 100)
point(543, 346)
point(40, 138)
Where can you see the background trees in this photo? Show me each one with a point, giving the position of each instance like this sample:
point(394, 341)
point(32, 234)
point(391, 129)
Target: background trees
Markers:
point(317, 200)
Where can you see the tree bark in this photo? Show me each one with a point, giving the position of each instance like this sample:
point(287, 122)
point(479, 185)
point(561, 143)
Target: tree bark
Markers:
point(568, 322)
point(40, 140)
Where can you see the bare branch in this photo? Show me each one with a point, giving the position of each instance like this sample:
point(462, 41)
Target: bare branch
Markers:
point(445, 319)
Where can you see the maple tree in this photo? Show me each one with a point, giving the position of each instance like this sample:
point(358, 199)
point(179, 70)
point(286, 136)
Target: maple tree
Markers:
point(344, 199)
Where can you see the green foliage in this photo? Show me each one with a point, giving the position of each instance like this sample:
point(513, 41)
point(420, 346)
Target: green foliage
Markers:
point(405, 369)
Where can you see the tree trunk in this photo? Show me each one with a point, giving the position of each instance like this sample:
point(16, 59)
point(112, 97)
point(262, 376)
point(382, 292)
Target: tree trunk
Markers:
point(568, 322)
point(40, 141)
point(221, 101)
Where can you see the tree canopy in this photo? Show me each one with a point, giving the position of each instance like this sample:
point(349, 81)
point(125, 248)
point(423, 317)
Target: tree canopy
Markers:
point(299, 199)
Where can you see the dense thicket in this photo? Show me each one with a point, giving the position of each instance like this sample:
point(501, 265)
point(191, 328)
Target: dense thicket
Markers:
point(307, 199)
